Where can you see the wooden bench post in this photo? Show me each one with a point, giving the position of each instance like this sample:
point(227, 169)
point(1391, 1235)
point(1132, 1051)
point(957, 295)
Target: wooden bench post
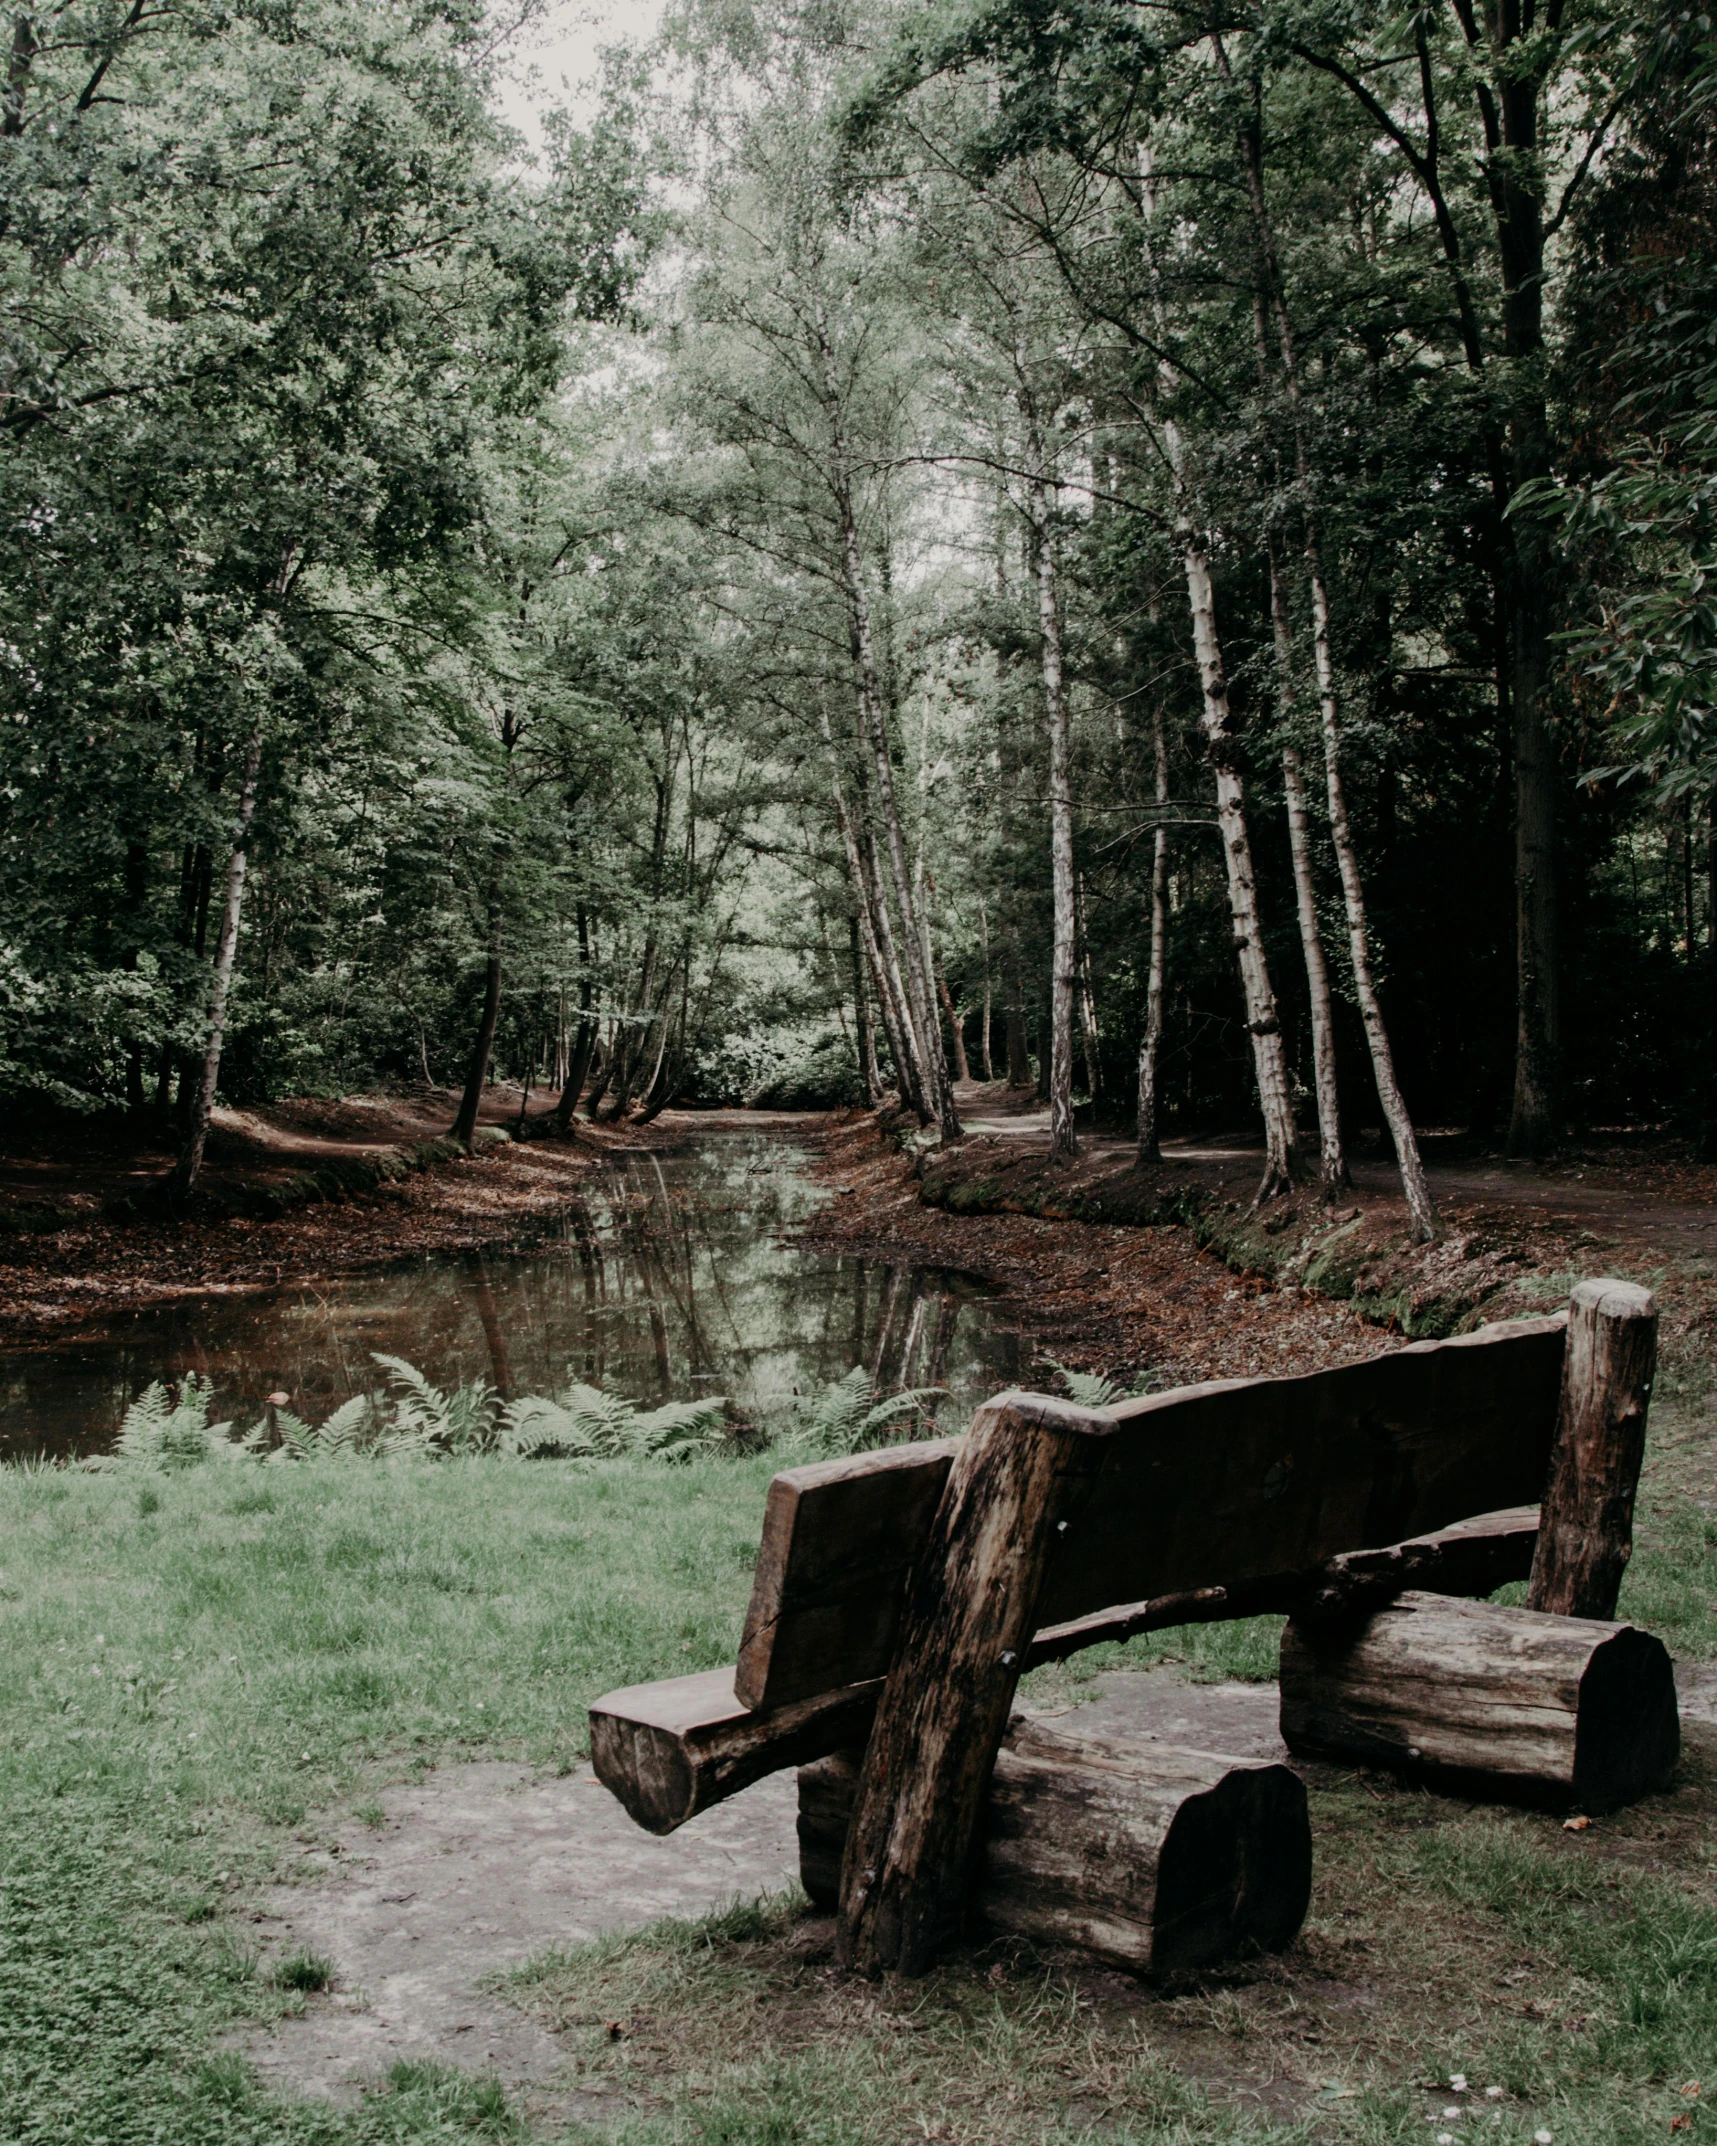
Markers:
point(1585, 1530)
point(1021, 1472)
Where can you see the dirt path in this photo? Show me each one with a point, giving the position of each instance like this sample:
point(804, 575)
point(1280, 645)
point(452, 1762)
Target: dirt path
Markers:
point(1646, 1202)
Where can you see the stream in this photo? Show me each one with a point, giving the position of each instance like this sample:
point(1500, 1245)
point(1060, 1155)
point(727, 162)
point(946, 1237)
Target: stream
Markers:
point(670, 1277)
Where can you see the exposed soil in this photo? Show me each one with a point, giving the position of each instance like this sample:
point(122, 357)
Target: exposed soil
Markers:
point(1135, 1297)
point(468, 1875)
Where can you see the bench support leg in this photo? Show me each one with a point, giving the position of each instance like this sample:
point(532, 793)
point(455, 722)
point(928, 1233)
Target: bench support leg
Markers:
point(1585, 1529)
point(1022, 1469)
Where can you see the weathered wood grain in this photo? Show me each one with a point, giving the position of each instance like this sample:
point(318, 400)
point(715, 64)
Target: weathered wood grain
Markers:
point(1552, 1709)
point(1021, 1475)
point(1587, 1536)
point(1149, 1857)
point(840, 1539)
point(1241, 1481)
point(670, 1750)
point(1474, 1557)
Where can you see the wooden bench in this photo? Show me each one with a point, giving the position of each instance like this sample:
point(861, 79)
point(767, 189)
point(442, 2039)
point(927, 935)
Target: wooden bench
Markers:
point(900, 1594)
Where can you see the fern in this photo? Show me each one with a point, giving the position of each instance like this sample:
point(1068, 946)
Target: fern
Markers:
point(355, 1431)
point(847, 1416)
point(1093, 1389)
point(426, 1419)
point(584, 1423)
point(170, 1431)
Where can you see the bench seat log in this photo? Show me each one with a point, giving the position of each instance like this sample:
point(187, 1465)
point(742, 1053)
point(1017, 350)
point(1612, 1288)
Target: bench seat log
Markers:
point(1558, 1710)
point(671, 1749)
point(1235, 1481)
point(1149, 1857)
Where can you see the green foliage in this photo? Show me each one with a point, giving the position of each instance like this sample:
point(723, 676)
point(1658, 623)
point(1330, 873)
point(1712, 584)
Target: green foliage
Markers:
point(132, 1801)
point(307, 1971)
point(1095, 1389)
point(850, 1415)
point(582, 1422)
point(168, 1430)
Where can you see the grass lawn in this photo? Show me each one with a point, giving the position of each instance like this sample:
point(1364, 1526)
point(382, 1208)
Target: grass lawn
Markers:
point(194, 1665)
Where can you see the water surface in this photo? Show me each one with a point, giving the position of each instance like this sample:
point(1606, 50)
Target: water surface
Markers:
point(669, 1278)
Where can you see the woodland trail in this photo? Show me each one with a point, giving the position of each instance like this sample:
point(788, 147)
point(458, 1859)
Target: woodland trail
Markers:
point(1641, 1201)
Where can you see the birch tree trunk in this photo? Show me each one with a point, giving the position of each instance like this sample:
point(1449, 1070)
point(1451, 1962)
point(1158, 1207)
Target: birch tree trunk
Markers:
point(1150, 1050)
point(869, 1071)
point(1282, 1162)
point(877, 935)
point(1063, 1141)
point(1389, 1094)
point(189, 1166)
point(873, 731)
point(1333, 1169)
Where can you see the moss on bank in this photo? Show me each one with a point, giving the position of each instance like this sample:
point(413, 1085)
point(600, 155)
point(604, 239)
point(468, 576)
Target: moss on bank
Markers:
point(1422, 1291)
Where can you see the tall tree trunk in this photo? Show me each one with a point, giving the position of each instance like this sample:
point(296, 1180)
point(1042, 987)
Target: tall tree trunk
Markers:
point(873, 730)
point(464, 1127)
point(877, 933)
point(1511, 124)
point(1019, 1055)
point(1063, 1141)
point(1087, 996)
point(189, 1166)
point(1523, 561)
point(1282, 1161)
point(985, 1062)
point(1150, 1050)
point(962, 1065)
point(1389, 1094)
point(869, 1071)
point(578, 1062)
point(1333, 1168)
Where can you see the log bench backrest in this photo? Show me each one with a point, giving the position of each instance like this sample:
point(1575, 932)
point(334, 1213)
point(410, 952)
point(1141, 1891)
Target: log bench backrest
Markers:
point(1207, 1486)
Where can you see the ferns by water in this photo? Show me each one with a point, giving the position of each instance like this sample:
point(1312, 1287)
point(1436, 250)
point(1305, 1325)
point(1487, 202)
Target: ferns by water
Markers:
point(849, 1415)
point(416, 1421)
point(169, 1431)
point(585, 1423)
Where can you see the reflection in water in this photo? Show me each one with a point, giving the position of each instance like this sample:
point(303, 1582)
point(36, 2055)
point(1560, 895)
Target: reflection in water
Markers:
point(668, 1280)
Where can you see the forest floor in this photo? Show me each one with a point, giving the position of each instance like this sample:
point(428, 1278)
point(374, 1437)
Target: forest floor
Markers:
point(1167, 1272)
point(67, 1257)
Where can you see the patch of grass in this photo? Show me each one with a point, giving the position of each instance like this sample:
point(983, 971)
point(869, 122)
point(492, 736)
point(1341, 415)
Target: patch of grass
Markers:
point(177, 1695)
point(740, 2018)
point(307, 1971)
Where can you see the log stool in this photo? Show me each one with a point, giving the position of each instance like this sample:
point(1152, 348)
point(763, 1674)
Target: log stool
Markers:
point(1149, 1857)
point(1556, 1710)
